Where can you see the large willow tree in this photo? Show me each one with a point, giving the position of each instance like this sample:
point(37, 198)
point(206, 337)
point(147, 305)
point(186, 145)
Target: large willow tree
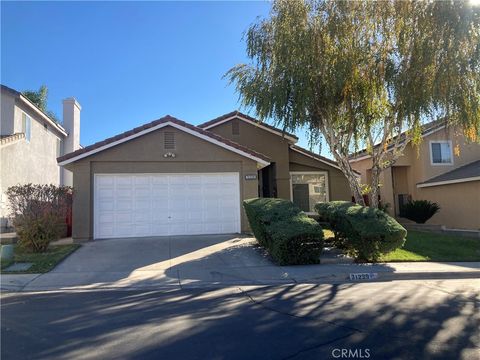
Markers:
point(359, 73)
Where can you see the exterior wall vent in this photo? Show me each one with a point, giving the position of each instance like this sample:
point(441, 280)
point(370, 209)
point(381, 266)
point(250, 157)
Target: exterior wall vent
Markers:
point(169, 140)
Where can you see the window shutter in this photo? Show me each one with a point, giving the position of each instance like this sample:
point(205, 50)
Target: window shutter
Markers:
point(169, 140)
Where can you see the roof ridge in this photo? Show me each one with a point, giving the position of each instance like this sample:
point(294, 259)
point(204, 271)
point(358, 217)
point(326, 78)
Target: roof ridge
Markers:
point(248, 117)
point(425, 128)
point(164, 119)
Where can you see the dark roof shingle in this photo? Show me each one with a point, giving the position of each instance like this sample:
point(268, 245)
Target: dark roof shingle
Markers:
point(154, 123)
point(470, 170)
point(245, 116)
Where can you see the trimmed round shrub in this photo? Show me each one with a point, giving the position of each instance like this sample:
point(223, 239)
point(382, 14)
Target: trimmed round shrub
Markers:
point(298, 241)
point(420, 210)
point(366, 233)
point(288, 234)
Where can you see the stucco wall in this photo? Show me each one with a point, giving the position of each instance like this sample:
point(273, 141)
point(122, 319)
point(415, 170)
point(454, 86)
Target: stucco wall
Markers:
point(145, 155)
point(7, 113)
point(338, 186)
point(24, 162)
point(416, 167)
point(265, 142)
point(459, 204)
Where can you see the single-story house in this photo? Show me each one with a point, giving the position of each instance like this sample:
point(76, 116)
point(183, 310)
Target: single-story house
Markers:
point(169, 177)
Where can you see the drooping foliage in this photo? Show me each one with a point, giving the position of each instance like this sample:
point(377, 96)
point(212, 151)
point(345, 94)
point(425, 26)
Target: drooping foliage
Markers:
point(358, 73)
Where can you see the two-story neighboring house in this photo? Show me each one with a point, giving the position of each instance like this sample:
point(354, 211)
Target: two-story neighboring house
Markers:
point(444, 169)
point(30, 143)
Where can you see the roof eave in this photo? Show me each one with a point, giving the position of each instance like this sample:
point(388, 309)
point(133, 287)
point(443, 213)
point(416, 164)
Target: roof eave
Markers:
point(260, 162)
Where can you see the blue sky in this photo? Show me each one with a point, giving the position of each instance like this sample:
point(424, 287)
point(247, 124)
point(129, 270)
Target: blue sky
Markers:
point(128, 63)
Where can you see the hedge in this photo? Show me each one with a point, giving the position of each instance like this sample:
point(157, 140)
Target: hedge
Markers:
point(365, 232)
point(290, 236)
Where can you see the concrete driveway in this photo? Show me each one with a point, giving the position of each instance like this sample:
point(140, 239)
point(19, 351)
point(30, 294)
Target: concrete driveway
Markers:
point(205, 261)
point(163, 262)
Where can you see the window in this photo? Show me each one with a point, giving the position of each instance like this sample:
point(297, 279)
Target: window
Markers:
point(309, 188)
point(26, 126)
point(441, 153)
point(169, 140)
point(235, 127)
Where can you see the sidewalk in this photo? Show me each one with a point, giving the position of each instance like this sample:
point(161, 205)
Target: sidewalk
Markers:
point(188, 277)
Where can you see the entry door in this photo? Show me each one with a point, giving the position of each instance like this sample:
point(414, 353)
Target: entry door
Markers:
point(136, 205)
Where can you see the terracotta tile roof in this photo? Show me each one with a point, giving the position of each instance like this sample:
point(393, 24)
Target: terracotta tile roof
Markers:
point(154, 123)
point(470, 170)
point(8, 139)
point(426, 128)
point(238, 113)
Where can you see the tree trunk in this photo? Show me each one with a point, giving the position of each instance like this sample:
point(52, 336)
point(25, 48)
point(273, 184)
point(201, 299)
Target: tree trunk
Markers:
point(347, 170)
point(375, 186)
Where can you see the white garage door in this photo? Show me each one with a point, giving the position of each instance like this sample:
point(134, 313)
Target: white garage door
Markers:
point(131, 205)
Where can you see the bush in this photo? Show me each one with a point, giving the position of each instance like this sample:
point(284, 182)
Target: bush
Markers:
point(364, 232)
point(290, 236)
point(420, 210)
point(39, 213)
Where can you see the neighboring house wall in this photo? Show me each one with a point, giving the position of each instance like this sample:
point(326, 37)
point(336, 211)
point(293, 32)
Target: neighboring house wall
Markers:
point(455, 200)
point(459, 204)
point(32, 157)
point(27, 161)
point(144, 155)
point(7, 114)
point(264, 142)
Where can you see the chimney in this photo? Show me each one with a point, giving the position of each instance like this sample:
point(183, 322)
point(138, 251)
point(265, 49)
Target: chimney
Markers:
point(71, 123)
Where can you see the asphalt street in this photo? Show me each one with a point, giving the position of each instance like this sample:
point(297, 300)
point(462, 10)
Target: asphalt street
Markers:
point(382, 320)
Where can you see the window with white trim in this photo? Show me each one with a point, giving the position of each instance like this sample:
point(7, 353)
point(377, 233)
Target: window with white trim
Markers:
point(441, 153)
point(27, 126)
point(308, 189)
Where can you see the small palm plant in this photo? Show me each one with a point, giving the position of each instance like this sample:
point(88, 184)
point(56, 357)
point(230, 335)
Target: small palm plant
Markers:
point(420, 210)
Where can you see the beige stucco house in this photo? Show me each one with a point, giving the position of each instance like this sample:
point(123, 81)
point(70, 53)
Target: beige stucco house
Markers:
point(169, 177)
point(30, 143)
point(444, 169)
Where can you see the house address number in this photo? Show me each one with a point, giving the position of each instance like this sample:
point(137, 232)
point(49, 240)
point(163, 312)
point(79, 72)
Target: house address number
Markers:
point(251, 177)
point(363, 276)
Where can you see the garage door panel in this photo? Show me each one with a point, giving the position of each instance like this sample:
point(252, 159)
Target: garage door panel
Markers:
point(164, 204)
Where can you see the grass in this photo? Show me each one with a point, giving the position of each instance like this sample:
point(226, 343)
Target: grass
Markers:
point(41, 262)
point(424, 246)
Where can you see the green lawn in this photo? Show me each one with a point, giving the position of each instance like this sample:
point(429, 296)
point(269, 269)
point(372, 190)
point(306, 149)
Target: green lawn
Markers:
point(42, 262)
point(424, 246)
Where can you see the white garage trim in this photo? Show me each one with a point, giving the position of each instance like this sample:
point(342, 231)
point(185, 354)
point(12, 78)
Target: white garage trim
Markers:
point(165, 204)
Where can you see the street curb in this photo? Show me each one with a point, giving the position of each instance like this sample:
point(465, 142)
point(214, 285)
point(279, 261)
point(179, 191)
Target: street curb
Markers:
point(337, 278)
